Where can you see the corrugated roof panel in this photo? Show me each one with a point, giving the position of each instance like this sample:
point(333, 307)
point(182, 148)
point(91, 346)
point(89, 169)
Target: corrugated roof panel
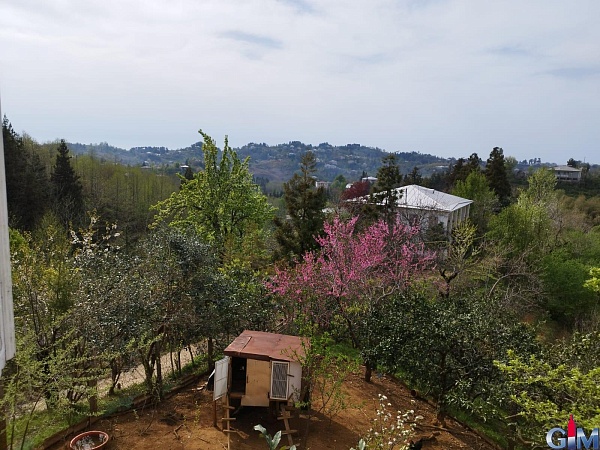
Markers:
point(266, 346)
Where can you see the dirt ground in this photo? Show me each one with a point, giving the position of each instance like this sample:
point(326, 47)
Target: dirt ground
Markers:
point(185, 421)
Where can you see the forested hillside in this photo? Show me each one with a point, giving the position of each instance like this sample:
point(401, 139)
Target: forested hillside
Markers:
point(277, 163)
point(117, 264)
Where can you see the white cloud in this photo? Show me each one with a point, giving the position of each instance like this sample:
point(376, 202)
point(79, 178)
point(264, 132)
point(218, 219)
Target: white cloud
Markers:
point(442, 77)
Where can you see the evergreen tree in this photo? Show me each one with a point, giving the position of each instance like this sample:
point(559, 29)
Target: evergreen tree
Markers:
point(187, 176)
point(384, 195)
point(463, 167)
point(495, 172)
point(304, 204)
point(67, 190)
point(413, 177)
point(26, 181)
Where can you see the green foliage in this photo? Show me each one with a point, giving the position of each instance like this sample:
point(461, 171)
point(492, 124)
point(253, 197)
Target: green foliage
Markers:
point(272, 442)
point(593, 283)
point(497, 176)
point(447, 347)
point(324, 373)
point(384, 196)
point(549, 387)
point(221, 203)
point(296, 233)
point(565, 281)
point(458, 255)
point(475, 187)
point(463, 168)
point(523, 227)
point(27, 184)
point(66, 188)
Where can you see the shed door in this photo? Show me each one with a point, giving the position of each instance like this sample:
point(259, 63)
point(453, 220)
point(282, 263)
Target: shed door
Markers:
point(279, 380)
point(294, 381)
point(221, 378)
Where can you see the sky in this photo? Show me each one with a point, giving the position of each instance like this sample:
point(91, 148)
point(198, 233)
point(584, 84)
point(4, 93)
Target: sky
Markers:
point(444, 77)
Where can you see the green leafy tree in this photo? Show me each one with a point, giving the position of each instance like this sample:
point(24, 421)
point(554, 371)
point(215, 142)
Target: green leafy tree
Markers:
point(497, 176)
point(45, 281)
point(337, 188)
point(66, 188)
point(295, 234)
point(593, 283)
point(475, 187)
point(221, 202)
point(447, 347)
point(550, 386)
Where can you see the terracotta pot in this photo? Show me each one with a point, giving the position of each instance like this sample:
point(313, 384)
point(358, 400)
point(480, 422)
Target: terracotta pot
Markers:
point(90, 440)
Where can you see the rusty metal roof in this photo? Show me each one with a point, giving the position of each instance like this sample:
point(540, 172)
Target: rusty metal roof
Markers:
point(266, 346)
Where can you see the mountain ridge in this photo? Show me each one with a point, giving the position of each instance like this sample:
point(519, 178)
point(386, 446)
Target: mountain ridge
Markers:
point(275, 162)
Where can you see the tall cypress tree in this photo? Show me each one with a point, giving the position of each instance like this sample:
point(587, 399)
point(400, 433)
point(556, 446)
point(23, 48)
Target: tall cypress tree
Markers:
point(304, 205)
point(66, 188)
point(495, 172)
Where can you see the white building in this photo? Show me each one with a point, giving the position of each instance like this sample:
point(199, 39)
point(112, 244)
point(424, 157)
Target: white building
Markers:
point(430, 207)
point(567, 173)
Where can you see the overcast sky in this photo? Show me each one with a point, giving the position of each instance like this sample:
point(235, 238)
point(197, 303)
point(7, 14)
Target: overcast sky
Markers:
point(443, 77)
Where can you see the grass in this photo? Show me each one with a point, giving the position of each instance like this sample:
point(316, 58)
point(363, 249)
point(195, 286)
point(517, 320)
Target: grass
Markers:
point(39, 426)
point(494, 430)
point(344, 349)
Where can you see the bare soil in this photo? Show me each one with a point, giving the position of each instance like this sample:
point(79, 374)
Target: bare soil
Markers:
point(185, 421)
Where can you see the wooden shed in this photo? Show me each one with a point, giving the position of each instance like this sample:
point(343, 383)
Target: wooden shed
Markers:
point(260, 368)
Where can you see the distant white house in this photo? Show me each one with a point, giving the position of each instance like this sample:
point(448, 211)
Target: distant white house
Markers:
point(430, 207)
point(322, 184)
point(567, 173)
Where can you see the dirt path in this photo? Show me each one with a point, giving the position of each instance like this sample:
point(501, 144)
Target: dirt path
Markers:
point(136, 375)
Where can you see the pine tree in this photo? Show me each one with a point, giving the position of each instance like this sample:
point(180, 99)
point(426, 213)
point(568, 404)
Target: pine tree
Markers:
point(67, 190)
point(26, 181)
point(463, 168)
point(495, 172)
point(413, 177)
point(384, 194)
point(304, 206)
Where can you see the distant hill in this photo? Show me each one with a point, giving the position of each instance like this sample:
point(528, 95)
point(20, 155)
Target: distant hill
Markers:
point(274, 162)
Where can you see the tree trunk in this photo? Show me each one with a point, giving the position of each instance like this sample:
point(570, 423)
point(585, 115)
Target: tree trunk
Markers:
point(368, 371)
point(159, 379)
point(93, 399)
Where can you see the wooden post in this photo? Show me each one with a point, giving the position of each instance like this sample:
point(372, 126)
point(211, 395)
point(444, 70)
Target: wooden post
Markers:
point(215, 414)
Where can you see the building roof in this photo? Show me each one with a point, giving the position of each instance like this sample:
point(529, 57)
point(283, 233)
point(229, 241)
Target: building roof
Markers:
point(567, 169)
point(266, 346)
point(419, 197)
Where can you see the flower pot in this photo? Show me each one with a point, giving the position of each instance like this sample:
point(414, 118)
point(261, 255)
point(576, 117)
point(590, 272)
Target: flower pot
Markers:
point(90, 440)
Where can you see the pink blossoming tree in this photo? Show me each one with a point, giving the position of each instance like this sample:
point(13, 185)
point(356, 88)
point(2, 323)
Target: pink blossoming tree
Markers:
point(352, 275)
